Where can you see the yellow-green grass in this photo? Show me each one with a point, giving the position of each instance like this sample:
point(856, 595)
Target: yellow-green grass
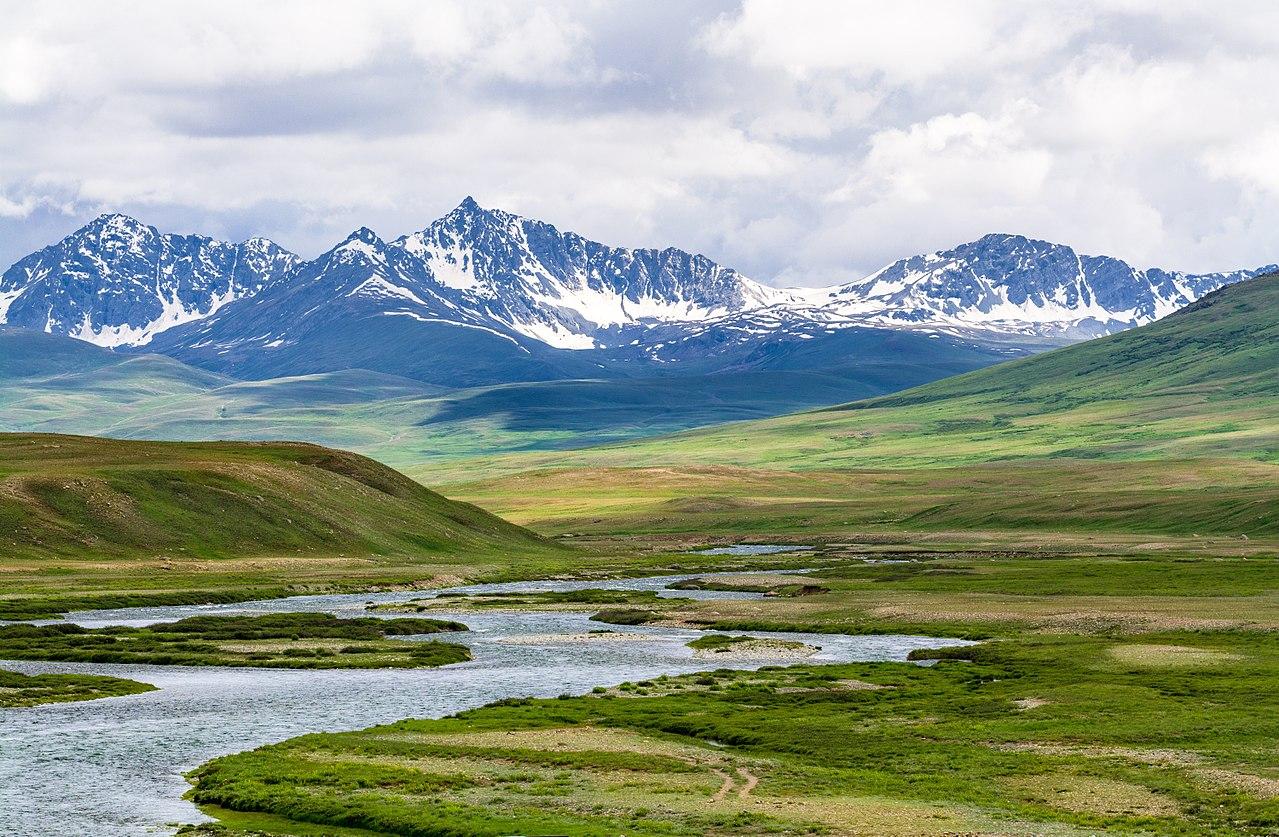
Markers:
point(1221, 500)
point(982, 594)
point(965, 430)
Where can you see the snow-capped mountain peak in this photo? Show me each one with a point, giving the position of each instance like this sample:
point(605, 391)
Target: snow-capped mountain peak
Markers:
point(568, 291)
point(119, 282)
point(1003, 284)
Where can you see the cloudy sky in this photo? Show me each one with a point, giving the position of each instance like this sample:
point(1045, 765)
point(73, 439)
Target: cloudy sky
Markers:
point(802, 142)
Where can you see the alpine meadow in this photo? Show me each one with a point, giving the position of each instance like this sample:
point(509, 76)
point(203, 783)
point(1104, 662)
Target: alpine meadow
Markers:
point(639, 420)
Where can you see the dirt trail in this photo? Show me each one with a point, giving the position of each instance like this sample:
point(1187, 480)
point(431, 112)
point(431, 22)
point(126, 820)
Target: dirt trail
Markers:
point(724, 788)
point(749, 781)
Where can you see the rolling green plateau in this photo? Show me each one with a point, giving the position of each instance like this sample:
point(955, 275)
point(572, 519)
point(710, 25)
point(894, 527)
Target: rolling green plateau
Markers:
point(282, 640)
point(88, 523)
point(54, 384)
point(1171, 428)
point(1118, 694)
point(22, 690)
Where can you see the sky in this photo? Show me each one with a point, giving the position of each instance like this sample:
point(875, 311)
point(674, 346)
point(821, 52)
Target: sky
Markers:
point(803, 142)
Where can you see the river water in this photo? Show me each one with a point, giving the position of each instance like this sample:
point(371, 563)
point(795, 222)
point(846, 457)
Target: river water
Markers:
point(115, 766)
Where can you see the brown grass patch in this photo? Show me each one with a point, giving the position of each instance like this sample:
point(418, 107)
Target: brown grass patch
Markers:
point(1170, 656)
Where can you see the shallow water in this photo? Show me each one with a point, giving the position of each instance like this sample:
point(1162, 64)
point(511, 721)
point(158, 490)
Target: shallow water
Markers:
point(752, 549)
point(114, 766)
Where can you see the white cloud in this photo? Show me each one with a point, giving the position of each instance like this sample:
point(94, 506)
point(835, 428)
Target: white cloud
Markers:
point(523, 43)
point(76, 51)
point(905, 41)
point(1252, 159)
point(801, 143)
point(983, 160)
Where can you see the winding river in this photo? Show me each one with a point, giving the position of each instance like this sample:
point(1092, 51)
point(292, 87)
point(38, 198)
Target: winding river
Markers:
point(115, 766)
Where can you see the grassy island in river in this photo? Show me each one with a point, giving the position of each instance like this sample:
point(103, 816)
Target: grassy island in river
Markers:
point(21, 690)
point(281, 640)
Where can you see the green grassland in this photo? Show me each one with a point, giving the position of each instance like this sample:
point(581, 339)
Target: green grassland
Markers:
point(283, 640)
point(22, 690)
point(1172, 428)
point(1125, 694)
point(91, 523)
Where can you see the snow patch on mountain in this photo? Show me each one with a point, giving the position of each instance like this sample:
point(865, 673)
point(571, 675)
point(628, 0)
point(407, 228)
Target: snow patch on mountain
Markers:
point(1012, 285)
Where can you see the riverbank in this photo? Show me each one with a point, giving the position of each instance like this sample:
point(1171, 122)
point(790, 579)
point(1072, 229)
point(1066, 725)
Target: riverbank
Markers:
point(146, 742)
point(1125, 693)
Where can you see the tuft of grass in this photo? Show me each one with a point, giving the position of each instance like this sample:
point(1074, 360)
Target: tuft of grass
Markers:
point(716, 642)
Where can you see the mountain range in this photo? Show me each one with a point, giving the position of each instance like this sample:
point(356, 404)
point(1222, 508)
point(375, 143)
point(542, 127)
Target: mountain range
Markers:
point(486, 332)
point(483, 297)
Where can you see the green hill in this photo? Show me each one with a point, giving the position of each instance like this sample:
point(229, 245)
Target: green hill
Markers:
point(1120, 431)
point(79, 513)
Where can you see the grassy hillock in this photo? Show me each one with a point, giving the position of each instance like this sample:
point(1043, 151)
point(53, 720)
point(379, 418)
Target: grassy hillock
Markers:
point(228, 519)
point(71, 495)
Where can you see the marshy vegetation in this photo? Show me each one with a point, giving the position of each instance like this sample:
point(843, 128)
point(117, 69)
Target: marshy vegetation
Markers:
point(1038, 735)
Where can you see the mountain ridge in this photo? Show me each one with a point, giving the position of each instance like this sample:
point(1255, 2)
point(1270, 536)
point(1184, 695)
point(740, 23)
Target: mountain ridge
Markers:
point(491, 296)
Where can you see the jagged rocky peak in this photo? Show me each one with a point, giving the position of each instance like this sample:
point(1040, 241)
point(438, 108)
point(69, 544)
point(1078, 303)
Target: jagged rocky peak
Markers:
point(363, 240)
point(117, 281)
point(1013, 285)
point(493, 252)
